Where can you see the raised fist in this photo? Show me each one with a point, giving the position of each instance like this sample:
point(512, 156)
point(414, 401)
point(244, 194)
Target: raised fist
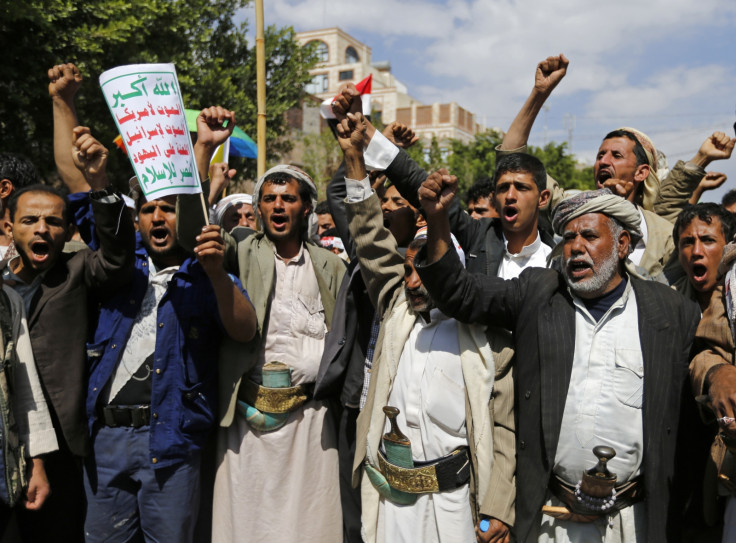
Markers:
point(90, 157)
point(400, 135)
point(211, 129)
point(549, 73)
point(437, 192)
point(64, 81)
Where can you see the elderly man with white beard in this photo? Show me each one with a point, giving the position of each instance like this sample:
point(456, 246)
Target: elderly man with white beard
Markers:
point(601, 360)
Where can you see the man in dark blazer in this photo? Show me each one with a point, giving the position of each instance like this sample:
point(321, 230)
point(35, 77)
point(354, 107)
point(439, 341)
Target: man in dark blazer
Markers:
point(545, 309)
point(58, 290)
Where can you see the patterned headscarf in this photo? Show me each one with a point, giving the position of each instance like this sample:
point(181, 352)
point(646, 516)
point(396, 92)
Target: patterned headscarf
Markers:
point(598, 201)
point(651, 183)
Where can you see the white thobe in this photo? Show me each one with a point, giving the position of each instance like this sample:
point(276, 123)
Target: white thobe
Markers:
point(429, 391)
point(283, 485)
point(603, 407)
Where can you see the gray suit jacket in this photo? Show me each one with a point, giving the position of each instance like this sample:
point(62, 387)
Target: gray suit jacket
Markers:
point(538, 308)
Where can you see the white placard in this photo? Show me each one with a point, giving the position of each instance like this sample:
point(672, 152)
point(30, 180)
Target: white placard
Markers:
point(146, 103)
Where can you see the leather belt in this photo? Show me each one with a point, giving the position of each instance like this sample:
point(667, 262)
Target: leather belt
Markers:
point(274, 400)
point(446, 473)
point(116, 416)
point(626, 494)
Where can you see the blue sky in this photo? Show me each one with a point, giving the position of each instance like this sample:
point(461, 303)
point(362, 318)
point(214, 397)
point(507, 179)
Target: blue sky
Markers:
point(666, 67)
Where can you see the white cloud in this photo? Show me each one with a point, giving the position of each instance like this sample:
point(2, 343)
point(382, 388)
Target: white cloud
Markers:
point(482, 55)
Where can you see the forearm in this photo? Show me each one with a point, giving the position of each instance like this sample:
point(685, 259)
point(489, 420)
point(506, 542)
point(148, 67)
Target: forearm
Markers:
point(112, 263)
point(354, 164)
point(677, 189)
point(521, 126)
point(438, 237)
point(202, 156)
point(236, 312)
point(381, 265)
point(65, 119)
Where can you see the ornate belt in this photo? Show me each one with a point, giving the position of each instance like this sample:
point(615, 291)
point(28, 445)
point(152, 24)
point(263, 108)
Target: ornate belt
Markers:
point(446, 473)
point(274, 400)
point(626, 494)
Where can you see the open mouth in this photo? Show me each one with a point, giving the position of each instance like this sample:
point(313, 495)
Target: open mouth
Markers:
point(603, 176)
point(510, 213)
point(578, 268)
point(278, 222)
point(700, 272)
point(40, 250)
point(159, 235)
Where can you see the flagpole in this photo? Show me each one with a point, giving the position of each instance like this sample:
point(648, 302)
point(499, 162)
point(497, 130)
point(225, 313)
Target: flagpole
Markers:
point(261, 88)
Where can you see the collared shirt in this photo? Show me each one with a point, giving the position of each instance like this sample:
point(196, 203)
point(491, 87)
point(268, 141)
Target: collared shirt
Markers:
point(641, 245)
point(188, 333)
point(533, 255)
point(142, 341)
point(26, 290)
point(604, 400)
point(295, 331)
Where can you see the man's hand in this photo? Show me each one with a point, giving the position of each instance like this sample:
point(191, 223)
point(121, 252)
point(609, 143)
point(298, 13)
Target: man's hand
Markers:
point(220, 177)
point(90, 157)
point(211, 129)
point(400, 135)
point(549, 73)
point(350, 133)
point(716, 147)
point(64, 82)
point(618, 186)
point(38, 486)
point(347, 101)
point(722, 392)
point(712, 180)
point(497, 532)
point(210, 250)
point(437, 192)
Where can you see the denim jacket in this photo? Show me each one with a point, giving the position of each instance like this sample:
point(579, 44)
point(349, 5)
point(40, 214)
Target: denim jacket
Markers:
point(184, 388)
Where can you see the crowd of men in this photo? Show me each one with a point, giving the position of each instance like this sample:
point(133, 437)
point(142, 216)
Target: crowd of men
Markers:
point(384, 365)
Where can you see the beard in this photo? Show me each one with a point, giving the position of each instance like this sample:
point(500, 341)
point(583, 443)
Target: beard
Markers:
point(419, 299)
point(603, 274)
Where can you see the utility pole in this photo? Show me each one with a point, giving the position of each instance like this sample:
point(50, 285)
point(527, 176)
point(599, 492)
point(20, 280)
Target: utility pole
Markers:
point(570, 127)
point(546, 111)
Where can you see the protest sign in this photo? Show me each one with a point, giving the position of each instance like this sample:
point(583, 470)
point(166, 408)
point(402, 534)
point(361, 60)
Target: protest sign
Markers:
point(146, 103)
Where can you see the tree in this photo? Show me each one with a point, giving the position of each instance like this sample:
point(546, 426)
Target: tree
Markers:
point(321, 159)
point(214, 62)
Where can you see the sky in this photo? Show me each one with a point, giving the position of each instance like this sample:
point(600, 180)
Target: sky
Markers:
point(665, 67)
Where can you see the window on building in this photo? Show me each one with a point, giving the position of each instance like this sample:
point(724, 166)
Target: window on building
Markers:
point(351, 55)
point(323, 53)
point(317, 85)
point(346, 75)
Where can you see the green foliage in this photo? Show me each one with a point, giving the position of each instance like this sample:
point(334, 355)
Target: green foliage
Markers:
point(321, 159)
point(563, 168)
point(215, 63)
point(469, 162)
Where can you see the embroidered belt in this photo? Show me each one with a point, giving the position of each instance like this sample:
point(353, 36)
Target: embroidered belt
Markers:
point(446, 473)
point(274, 400)
point(626, 494)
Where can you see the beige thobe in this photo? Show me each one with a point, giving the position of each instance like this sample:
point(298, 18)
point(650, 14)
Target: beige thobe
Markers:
point(283, 485)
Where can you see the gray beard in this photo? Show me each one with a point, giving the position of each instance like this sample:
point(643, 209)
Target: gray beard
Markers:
point(595, 285)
